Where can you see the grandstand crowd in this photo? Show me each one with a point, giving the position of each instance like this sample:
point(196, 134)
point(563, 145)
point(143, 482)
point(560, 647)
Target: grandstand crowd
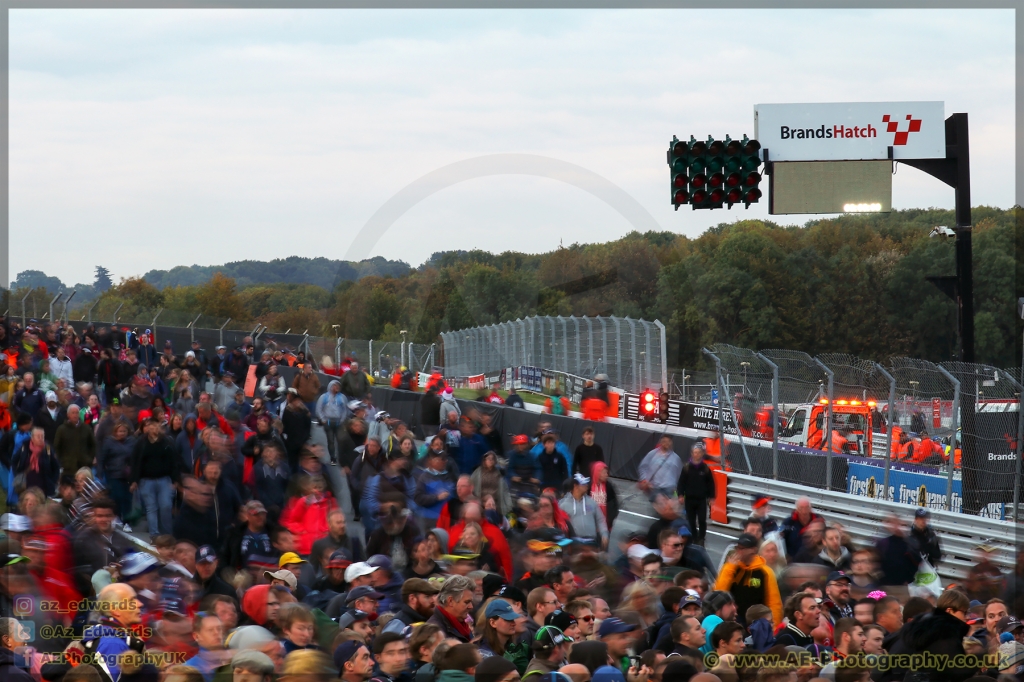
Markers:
point(164, 523)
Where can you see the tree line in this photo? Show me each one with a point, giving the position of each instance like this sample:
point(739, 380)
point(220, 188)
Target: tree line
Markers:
point(851, 284)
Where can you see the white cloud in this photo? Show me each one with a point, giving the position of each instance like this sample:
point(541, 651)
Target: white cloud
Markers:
point(149, 139)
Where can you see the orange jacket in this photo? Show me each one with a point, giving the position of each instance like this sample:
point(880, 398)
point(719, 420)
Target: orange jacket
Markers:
point(594, 409)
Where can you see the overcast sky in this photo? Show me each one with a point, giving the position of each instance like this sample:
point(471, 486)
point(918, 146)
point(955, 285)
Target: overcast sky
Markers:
point(144, 139)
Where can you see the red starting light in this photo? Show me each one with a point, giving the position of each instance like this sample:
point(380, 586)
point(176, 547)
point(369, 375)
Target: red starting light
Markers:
point(717, 195)
point(753, 179)
point(698, 180)
point(680, 197)
point(649, 402)
point(699, 196)
point(733, 180)
point(734, 196)
point(716, 180)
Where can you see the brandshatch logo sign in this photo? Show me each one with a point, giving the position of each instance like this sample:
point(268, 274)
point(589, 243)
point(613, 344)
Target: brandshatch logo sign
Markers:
point(851, 131)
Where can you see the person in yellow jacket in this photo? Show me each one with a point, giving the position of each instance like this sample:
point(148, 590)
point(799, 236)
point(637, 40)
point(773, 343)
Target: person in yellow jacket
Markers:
point(749, 579)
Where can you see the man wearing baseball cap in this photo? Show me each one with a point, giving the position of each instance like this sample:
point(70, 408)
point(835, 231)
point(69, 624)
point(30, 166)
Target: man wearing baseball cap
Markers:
point(353, 661)
point(418, 600)
point(837, 589)
point(523, 471)
point(927, 539)
point(256, 548)
point(1012, 625)
point(616, 633)
point(584, 513)
point(566, 622)
point(294, 563)
point(550, 648)
point(206, 574)
point(749, 580)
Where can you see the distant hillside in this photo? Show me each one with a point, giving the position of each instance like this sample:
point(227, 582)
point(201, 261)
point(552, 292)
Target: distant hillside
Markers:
point(322, 272)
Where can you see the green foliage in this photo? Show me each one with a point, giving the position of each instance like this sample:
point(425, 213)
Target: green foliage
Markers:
point(852, 284)
point(321, 272)
point(103, 280)
point(34, 279)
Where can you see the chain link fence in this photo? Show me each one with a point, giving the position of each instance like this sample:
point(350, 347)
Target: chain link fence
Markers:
point(631, 352)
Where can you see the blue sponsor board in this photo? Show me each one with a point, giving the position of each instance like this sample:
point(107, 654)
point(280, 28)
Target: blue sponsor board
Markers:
point(908, 487)
point(530, 378)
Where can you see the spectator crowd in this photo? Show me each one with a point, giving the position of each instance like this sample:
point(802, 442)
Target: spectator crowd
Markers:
point(170, 517)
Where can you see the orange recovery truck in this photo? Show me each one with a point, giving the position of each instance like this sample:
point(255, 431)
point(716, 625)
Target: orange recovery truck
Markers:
point(851, 426)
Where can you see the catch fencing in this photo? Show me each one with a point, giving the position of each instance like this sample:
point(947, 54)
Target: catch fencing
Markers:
point(631, 352)
point(378, 356)
point(947, 436)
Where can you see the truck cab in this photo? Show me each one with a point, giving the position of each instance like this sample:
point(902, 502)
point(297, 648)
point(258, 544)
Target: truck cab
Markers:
point(851, 426)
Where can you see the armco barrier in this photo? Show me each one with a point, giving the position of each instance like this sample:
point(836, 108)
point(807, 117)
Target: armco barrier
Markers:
point(863, 518)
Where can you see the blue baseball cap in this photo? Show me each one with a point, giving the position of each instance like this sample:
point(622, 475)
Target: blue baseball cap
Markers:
point(206, 554)
point(614, 626)
point(137, 563)
point(499, 608)
point(690, 599)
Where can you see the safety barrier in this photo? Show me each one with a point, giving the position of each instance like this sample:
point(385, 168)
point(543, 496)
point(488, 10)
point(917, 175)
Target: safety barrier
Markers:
point(863, 518)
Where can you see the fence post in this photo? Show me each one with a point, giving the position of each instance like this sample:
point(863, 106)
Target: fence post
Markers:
point(55, 299)
point(1020, 435)
point(637, 381)
point(152, 325)
point(618, 351)
point(116, 312)
point(370, 359)
point(431, 357)
point(565, 343)
point(24, 318)
point(664, 355)
point(191, 327)
point(221, 331)
point(828, 424)
point(590, 345)
point(576, 329)
point(87, 314)
point(337, 352)
point(956, 424)
point(892, 424)
point(721, 420)
point(775, 413)
point(64, 315)
point(604, 350)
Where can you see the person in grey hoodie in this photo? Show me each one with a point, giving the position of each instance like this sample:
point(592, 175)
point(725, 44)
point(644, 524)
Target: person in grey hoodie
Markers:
point(585, 515)
point(332, 411)
point(448, 404)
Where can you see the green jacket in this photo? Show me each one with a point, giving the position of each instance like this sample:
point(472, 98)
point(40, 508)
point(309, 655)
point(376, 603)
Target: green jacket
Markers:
point(520, 654)
point(454, 676)
point(75, 446)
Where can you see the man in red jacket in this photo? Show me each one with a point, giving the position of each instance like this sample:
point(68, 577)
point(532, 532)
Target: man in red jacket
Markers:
point(472, 511)
point(206, 415)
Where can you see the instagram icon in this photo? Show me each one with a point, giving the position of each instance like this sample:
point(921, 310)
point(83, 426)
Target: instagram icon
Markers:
point(24, 606)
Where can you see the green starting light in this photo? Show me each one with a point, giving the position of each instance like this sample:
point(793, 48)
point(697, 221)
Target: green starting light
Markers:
point(711, 173)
